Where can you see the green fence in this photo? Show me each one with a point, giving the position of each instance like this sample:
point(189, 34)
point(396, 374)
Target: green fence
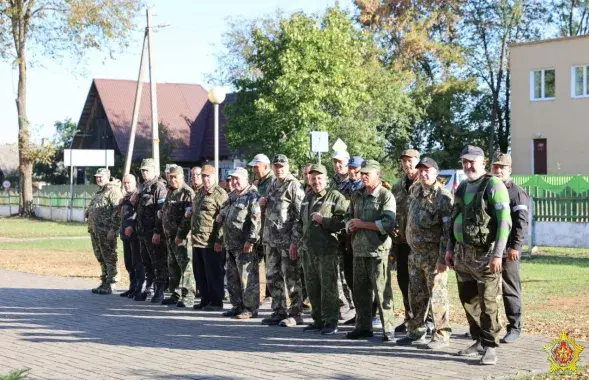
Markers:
point(57, 200)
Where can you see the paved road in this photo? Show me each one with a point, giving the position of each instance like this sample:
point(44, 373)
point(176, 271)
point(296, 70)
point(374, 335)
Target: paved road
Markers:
point(56, 327)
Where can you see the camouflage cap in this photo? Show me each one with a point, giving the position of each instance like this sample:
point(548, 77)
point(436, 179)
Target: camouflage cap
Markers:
point(502, 159)
point(410, 153)
point(427, 162)
point(369, 165)
point(208, 170)
point(102, 172)
point(280, 159)
point(148, 163)
point(318, 168)
point(176, 170)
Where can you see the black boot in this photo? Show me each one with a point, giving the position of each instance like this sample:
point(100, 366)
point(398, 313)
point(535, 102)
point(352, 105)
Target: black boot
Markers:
point(158, 294)
point(130, 291)
point(97, 289)
point(149, 288)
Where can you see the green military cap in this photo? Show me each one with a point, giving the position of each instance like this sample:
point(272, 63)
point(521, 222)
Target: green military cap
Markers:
point(503, 159)
point(102, 172)
point(148, 163)
point(318, 168)
point(369, 165)
point(280, 159)
point(410, 153)
point(176, 170)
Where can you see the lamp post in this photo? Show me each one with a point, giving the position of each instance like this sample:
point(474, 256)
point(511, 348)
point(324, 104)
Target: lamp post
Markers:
point(216, 96)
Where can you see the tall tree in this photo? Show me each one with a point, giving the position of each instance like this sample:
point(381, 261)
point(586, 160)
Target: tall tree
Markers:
point(52, 28)
point(315, 73)
point(571, 17)
point(53, 170)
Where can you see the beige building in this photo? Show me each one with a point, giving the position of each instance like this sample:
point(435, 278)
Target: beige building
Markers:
point(550, 106)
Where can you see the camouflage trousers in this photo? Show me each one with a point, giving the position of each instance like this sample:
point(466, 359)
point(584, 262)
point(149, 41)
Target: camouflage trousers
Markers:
point(158, 256)
point(281, 271)
point(428, 291)
point(243, 279)
point(321, 276)
point(182, 283)
point(479, 291)
point(369, 286)
point(106, 254)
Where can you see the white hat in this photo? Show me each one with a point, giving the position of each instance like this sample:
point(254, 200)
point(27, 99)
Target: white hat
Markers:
point(259, 159)
point(239, 172)
point(342, 155)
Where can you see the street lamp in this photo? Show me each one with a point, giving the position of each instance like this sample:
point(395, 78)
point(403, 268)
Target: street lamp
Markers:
point(216, 96)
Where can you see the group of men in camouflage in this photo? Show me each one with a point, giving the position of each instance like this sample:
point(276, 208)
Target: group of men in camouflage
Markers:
point(339, 243)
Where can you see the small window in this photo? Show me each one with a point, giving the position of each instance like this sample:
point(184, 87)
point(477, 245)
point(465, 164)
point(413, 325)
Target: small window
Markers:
point(542, 84)
point(579, 82)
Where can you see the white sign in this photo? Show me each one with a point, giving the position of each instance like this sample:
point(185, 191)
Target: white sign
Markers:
point(6, 184)
point(319, 142)
point(89, 157)
point(340, 146)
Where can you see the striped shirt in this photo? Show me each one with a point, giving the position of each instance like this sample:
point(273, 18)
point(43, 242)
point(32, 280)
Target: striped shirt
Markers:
point(498, 197)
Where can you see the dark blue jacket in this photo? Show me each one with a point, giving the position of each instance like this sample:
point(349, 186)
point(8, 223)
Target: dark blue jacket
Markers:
point(128, 215)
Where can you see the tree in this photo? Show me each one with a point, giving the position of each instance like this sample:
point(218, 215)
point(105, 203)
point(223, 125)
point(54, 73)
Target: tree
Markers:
point(314, 73)
point(571, 17)
point(53, 170)
point(53, 28)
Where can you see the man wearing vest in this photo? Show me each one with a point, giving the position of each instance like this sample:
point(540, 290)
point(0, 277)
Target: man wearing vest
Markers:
point(481, 223)
point(512, 287)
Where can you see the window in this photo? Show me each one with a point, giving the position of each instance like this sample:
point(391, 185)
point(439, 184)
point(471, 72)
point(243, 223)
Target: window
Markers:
point(579, 82)
point(542, 84)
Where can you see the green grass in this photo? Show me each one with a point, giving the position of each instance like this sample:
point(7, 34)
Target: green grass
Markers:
point(17, 374)
point(65, 245)
point(27, 228)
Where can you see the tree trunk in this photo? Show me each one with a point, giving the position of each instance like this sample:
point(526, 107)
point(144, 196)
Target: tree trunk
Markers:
point(25, 167)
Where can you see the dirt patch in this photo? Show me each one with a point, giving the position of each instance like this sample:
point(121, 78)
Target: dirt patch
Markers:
point(570, 303)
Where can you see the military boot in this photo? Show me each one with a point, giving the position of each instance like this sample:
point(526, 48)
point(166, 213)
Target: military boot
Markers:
point(107, 289)
point(97, 289)
point(129, 291)
point(158, 294)
point(172, 300)
point(274, 319)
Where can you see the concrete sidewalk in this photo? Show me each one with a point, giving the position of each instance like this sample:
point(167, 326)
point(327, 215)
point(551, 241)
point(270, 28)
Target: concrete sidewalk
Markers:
point(56, 327)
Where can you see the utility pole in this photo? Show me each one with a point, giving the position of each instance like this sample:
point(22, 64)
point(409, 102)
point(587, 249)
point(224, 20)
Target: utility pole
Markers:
point(136, 108)
point(153, 86)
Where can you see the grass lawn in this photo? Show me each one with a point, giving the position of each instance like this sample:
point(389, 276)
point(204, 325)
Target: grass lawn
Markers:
point(27, 228)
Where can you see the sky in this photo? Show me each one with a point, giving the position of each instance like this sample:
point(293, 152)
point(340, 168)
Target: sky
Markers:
point(184, 52)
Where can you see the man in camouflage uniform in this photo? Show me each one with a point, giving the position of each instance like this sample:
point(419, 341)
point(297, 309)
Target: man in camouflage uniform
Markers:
point(176, 226)
point(131, 245)
point(401, 250)
point(481, 223)
point(283, 205)
point(103, 223)
point(370, 220)
point(207, 252)
point(241, 219)
point(342, 183)
point(264, 177)
point(150, 201)
point(321, 218)
point(428, 227)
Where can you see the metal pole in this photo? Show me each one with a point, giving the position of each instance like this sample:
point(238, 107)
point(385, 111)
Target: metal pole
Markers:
point(138, 92)
point(71, 181)
point(153, 86)
point(217, 138)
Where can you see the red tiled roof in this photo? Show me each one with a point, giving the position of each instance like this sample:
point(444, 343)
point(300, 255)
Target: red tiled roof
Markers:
point(183, 108)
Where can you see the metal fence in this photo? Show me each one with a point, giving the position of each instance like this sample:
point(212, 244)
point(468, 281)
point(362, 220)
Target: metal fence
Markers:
point(59, 200)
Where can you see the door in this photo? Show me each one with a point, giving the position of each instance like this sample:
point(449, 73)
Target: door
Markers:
point(540, 156)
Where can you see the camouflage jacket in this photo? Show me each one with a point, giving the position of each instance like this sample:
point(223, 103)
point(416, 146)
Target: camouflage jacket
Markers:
point(129, 214)
point(378, 208)
point(151, 199)
point(173, 220)
point(103, 211)
point(282, 211)
point(429, 219)
point(402, 198)
point(242, 219)
point(263, 183)
point(339, 184)
point(205, 208)
point(321, 239)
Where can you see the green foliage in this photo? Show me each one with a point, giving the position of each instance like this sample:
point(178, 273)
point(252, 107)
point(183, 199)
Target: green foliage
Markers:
point(17, 374)
point(316, 73)
point(52, 169)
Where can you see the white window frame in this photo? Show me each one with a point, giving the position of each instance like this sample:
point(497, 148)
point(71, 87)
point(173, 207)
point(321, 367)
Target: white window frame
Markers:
point(543, 83)
point(574, 83)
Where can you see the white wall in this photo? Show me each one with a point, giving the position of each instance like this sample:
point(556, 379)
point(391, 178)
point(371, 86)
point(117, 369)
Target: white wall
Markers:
point(562, 234)
point(59, 213)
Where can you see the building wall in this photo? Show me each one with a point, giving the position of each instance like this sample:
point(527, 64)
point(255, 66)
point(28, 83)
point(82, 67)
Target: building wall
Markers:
point(564, 121)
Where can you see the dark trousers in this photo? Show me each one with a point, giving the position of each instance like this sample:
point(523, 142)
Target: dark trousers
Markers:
point(209, 272)
point(158, 257)
point(147, 266)
point(133, 262)
point(512, 294)
point(403, 250)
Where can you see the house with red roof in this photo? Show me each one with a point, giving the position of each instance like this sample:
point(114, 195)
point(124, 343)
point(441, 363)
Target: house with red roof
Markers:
point(183, 108)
